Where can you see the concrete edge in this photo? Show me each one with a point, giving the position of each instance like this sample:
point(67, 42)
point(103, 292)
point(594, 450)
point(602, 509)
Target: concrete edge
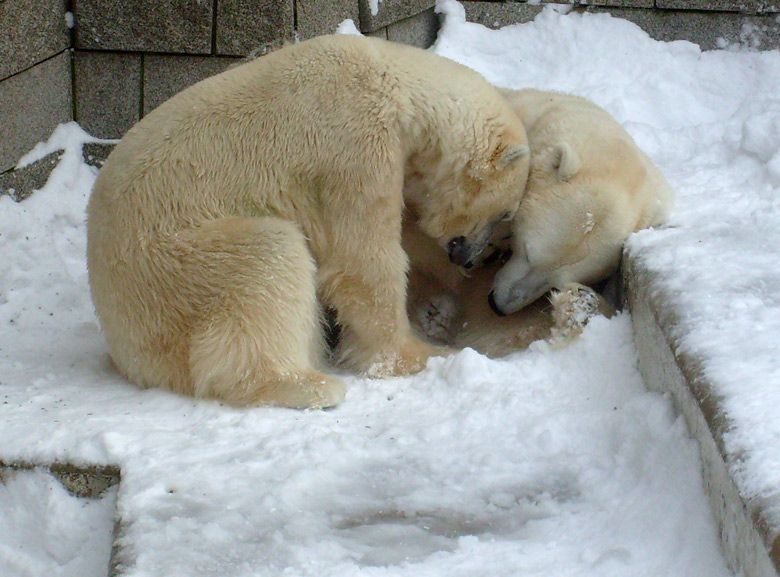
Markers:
point(86, 481)
point(749, 537)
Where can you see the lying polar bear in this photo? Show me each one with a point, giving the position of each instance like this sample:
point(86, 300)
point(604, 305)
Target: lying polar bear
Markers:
point(588, 189)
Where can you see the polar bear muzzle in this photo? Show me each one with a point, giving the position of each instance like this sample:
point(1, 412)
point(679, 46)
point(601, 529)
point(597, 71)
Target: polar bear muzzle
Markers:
point(464, 251)
point(517, 285)
point(458, 250)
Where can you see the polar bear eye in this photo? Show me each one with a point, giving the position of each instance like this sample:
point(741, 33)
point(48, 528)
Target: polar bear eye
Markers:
point(507, 216)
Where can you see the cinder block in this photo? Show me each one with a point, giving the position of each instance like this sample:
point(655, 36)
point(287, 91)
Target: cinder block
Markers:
point(624, 3)
point(178, 26)
point(164, 76)
point(108, 92)
point(610, 3)
point(32, 31)
point(96, 153)
point(710, 30)
point(419, 30)
point(375, 14)
point(748, 6)
point(32, 104)
point(243, 26)
point(499, 14)
point(316, 18)
point(20, 184)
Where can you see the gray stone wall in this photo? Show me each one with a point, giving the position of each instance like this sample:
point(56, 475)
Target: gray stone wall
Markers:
point(106, 63)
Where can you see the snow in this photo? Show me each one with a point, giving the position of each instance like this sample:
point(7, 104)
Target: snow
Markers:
point(711, 121)
point(348, 27)
point(46, 531)
point(546, 462)
point(373, 6)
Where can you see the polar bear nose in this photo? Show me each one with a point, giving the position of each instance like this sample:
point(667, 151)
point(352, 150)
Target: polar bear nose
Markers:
point(494, 306)
point(459, 251)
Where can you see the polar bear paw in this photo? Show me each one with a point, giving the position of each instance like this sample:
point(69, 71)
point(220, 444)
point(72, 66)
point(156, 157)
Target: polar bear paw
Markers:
point(437, 317)
point(573, 307)
point(410, 359)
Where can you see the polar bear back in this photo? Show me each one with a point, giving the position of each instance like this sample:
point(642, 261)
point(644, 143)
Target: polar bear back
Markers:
point(605, 150)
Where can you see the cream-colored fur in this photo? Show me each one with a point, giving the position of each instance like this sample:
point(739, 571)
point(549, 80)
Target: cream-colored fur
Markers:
point(589, 188)
point(226, 217)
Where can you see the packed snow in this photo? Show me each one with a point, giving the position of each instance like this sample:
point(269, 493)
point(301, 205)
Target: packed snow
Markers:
point(545, 462)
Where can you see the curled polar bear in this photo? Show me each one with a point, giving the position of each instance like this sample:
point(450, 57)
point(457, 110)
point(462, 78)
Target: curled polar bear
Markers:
point(224, 218)
point(589, 188)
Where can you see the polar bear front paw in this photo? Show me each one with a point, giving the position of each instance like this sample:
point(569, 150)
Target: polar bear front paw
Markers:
point(573, 306)
point(436, 318)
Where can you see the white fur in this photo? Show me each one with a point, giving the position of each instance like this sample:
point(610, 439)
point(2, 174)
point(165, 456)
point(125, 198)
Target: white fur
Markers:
point(225, 217)
point(589, 187)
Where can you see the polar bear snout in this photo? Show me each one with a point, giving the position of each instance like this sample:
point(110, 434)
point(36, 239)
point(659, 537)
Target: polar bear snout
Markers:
point(465, 252)
point(494, 306)
point(517, 285)
point(459, 250)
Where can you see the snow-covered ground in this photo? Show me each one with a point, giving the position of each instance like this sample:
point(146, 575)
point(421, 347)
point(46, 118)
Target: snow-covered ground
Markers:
point(548, 462)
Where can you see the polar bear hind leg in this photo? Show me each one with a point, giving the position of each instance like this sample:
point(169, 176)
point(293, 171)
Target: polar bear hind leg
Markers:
point(257, 337)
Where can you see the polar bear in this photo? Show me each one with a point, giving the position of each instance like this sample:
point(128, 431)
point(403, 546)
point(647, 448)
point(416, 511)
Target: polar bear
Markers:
point(588, 189)
point(224, 219)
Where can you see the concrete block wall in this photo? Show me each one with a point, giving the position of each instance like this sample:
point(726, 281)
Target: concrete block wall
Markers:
point(752, 24)
point(35, 86)
point(106, 63)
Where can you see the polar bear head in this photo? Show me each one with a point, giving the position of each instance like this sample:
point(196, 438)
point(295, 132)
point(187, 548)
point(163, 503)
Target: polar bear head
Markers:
point(461, 206)
point(570, 227)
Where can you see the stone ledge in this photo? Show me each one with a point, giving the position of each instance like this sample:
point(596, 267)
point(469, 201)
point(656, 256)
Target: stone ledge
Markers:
point(748, 528)
point(710, 30)
point(748, 531)
point(20, 183)
point(496, 15)
point(88, 482)
point(746, 6)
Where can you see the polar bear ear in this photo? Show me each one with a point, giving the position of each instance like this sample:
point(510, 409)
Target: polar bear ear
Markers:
point(511, 155)
point(566, 160)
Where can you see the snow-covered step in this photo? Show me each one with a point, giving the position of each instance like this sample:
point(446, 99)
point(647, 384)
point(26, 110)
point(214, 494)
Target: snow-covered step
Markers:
point(749, 528)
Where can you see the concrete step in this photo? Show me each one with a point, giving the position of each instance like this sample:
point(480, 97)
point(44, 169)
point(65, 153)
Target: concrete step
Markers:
point(749, 528)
